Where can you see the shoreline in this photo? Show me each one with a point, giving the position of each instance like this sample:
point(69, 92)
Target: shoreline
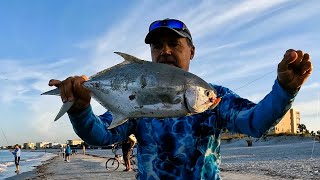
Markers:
point(34, 173)
point(271, 159)
point(80, 167)
point(44, 171)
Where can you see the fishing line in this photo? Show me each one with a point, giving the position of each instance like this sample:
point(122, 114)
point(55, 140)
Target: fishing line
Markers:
point(261, 78)
point(250, 82)
point(255, 80)
point(5, 136)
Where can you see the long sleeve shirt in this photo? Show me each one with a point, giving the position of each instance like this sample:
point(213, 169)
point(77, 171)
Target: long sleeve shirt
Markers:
point(16, 152)
point(187, 147)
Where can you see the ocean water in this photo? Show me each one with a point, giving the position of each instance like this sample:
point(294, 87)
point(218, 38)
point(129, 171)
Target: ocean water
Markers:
point(29, 160)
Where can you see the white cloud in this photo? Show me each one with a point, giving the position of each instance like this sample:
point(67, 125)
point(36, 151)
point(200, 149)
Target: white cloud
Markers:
point(311, 86)
point(234, 42)
point(214, 22)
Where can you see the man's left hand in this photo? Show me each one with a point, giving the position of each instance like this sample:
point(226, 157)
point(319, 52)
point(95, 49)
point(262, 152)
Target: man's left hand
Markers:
point(294, 70)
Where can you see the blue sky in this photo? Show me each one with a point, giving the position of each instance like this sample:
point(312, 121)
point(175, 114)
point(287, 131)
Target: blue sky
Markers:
point(236, 42)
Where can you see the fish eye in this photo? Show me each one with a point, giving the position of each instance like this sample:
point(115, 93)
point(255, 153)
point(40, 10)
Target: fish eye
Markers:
point(207, 92)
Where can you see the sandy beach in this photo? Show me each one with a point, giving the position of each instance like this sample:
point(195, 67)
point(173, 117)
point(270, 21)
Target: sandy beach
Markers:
point(90, 167)
point(277, 158)
point(80, 167)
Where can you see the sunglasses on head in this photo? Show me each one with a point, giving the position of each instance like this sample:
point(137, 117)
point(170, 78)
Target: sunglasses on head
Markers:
point(171, 23)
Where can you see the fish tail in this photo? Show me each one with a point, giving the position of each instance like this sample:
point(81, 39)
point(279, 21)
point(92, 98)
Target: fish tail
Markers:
point(52, 92)
point(64, 108)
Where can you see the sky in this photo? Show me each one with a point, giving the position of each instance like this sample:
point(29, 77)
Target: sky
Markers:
point(238, 45)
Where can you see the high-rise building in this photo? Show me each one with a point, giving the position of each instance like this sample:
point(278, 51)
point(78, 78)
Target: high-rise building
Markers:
point(28, 145)
point(74, 142)
point(288, 124)
point(41, 145)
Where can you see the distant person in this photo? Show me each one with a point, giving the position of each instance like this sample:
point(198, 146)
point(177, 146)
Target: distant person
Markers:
point(68, 152)
point(83, 149)
point(17, 153)
point(127, 146)
point(64, 153)
point(74, 152)
point(61, 152)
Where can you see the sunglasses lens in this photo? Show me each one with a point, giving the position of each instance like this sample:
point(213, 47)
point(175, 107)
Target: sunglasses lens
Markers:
point(175, 24)
point(167, 23)
point(155, 25)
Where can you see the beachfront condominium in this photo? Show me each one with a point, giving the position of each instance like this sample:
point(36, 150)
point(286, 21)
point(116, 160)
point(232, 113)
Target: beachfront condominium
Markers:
point(75, 142)
point(288, 124)
point(41, 145)
point(28, 145)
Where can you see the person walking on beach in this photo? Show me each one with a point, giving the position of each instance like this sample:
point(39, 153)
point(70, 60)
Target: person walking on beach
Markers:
point(186, 147)
point(63, 152)
point(17, 154)
point(127, 146)
point(67, 152)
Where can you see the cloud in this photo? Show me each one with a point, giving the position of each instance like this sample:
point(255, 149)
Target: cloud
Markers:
point(235, 43)
point(309, 113)
point(23, 78)
point(311, 86)
point(217, 20)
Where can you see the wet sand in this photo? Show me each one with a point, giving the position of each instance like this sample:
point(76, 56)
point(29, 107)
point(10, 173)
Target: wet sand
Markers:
point(80, 167)
point(92, 167)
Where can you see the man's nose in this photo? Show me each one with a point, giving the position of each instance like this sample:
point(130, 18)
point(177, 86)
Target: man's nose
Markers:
point(165, 49)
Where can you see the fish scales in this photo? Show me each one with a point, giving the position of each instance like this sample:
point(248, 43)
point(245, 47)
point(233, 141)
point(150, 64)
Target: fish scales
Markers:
point(143, 88)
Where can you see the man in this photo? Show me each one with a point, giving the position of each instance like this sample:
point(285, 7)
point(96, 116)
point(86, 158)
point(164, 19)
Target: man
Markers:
point(127, 146)
point(17, 153)
point(68, 152)
point(63, 152)
point(186, 147)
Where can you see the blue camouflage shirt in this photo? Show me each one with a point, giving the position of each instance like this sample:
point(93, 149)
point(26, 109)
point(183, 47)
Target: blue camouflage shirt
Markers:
point(187, 147)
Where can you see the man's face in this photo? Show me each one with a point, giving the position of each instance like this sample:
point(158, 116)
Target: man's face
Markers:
point(169, 48)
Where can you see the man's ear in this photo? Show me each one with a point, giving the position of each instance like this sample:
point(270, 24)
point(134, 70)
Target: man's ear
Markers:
point(193, 50)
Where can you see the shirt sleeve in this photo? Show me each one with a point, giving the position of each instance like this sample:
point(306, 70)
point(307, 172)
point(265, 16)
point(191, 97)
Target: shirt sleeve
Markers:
point(243, 116)
point(94, 129)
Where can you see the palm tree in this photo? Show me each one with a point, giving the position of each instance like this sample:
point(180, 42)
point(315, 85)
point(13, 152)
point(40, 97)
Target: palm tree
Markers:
point(302, 128)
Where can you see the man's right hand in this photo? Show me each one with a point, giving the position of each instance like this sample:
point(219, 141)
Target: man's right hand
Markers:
point(71, 89)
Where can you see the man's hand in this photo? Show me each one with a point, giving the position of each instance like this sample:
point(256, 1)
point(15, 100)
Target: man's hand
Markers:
point(71, 89)
point(294, 70)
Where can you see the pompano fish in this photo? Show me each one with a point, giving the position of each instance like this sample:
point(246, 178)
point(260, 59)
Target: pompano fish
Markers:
point(138, 88)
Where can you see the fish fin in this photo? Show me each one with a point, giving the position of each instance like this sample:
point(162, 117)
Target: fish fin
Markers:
point(64, 108)
point(55, 91)
point(130, 58)
point(127, 60)
point(117, 120)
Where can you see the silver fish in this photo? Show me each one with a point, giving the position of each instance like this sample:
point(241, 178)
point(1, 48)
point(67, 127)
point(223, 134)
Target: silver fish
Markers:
point(137, 88)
